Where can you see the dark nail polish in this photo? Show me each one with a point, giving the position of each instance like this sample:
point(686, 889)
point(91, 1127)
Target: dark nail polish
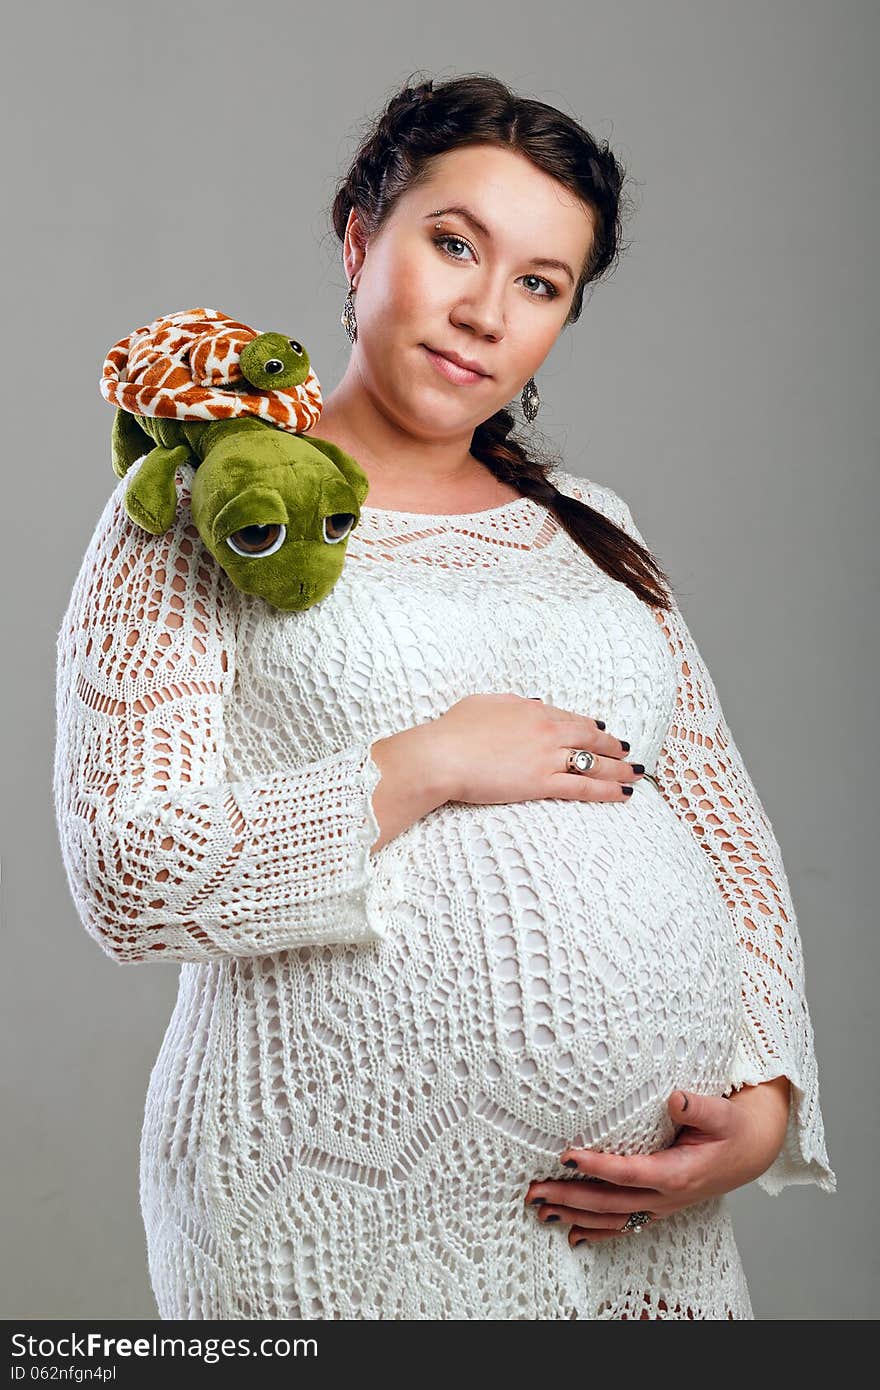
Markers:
point(537, 1201)
point(570, 1162)
point(624, 745)
point(637, 767)
point(627, 791)
point(600, 723)
point(552, 1217)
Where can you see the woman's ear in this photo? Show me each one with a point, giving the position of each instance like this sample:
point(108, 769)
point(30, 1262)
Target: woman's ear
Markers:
point(354, 247)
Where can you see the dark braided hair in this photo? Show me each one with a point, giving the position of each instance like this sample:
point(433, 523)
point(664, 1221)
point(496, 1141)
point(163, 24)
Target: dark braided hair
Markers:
point(423, 121)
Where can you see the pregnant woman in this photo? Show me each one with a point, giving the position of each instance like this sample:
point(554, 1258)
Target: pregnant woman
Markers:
point(491, 986)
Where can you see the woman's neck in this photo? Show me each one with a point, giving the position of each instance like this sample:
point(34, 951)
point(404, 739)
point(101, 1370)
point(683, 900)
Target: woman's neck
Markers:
point(403, 469)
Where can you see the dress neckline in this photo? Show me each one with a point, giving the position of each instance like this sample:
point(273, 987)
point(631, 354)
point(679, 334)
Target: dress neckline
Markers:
point(485, 512)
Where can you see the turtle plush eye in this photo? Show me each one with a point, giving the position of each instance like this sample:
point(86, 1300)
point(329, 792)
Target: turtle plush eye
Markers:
point(257, 541)
point(297, 347)
point(273, 366)
point(337, 526)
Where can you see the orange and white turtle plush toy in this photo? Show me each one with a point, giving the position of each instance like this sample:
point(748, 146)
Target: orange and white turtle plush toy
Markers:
point(273, 507)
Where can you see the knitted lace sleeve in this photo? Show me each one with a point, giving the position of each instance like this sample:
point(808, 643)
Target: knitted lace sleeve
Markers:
point(703, 778)
point(165, 858)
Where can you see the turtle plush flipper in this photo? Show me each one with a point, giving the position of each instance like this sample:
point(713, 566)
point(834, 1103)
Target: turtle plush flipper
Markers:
point(151, 499)
point(128, 442)
point(348, 467)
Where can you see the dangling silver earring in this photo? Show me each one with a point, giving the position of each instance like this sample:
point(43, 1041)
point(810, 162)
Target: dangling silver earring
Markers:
point(347, 318)
point(531, 401)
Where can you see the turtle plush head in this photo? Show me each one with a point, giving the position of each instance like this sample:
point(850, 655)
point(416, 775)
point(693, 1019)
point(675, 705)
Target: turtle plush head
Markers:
point(271, 362)
point(273, 507)
point(276, 510)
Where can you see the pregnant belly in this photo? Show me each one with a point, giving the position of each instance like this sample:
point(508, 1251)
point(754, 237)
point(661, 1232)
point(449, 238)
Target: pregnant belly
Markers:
point(575, 958)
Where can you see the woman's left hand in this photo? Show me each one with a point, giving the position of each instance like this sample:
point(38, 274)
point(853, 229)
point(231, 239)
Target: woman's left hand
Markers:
point(724, 1143)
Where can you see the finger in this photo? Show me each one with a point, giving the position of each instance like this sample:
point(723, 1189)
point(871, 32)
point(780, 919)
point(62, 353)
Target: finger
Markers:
point(709, 1113)
point(624, 1170)
point(578, 1237)
point(586, 1220)
point(599, 740)
point(604, 769)
point(584, 1196)
point(585, 786)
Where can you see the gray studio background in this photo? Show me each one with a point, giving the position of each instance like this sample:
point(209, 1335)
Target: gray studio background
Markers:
point(724, 381)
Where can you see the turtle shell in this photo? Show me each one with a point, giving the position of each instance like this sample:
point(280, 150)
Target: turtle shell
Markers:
point(185, 366)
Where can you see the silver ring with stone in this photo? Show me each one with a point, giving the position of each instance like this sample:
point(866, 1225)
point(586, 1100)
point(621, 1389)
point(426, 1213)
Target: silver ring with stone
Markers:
point(579, 760)
point(636, 1220)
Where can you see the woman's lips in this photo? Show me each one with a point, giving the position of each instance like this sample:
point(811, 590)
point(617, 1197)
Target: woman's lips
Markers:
point(460, 375)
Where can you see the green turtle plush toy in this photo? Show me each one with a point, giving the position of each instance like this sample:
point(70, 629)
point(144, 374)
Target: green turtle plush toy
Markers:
point(273, 507)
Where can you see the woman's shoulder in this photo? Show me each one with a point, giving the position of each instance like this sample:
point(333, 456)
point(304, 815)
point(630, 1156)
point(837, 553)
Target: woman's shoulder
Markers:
point(156, 600)
point(600, 496)
point(117, 539)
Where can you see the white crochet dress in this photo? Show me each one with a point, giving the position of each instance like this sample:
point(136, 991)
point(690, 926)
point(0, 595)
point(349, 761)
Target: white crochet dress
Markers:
point(372, 1056)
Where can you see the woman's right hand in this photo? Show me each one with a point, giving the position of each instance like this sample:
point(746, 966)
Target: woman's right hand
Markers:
point(498, 747)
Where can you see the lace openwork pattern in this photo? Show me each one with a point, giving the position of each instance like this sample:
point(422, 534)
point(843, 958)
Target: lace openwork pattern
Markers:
point(372, 1054)
point(703, 777)
point(167, 859)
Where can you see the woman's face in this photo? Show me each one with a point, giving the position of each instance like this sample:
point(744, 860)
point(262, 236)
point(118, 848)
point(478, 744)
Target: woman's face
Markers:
point(455, 288)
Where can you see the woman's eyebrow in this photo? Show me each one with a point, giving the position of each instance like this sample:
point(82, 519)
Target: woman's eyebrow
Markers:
point(484, 230)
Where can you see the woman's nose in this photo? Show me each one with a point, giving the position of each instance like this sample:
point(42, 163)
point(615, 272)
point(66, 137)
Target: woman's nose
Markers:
point(484, 314)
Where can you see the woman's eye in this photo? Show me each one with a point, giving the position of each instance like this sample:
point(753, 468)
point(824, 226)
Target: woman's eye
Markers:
point(552, 291)
point(460, 241)
point(257, 541)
